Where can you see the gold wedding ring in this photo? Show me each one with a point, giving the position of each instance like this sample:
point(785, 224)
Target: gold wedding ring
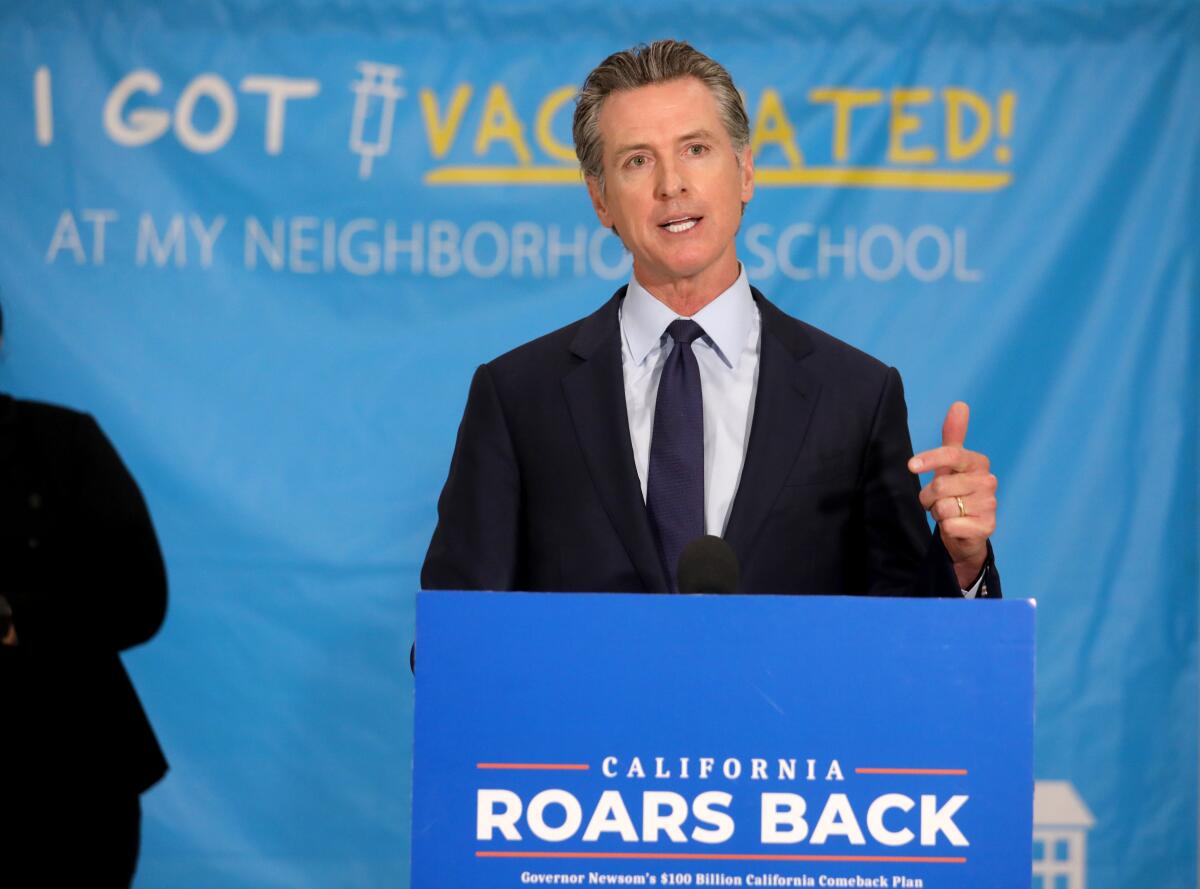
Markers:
point(962, 510)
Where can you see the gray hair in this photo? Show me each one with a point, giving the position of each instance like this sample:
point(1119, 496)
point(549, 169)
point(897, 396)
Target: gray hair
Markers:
point(643, 65)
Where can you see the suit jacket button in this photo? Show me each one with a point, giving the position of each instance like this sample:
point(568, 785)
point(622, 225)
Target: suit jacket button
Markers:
point(33, 543)
point(35, 500)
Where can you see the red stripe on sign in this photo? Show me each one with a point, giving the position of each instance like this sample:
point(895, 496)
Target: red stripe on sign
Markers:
point(536, 766)
point(730, 856)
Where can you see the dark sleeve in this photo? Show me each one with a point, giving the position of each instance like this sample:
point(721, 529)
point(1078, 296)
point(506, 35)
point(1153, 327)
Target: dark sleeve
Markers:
point(130, 580)
point(476, 542)
point(905, 558)
point(114, 586)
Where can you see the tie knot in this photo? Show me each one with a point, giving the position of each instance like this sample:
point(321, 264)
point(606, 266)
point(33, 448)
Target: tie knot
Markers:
point(684, 331)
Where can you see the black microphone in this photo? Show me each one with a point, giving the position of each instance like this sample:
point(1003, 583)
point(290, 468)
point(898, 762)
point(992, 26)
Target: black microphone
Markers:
point(708, 565)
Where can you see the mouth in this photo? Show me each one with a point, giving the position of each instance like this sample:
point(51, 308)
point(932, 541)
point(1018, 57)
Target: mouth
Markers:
point(680, 224)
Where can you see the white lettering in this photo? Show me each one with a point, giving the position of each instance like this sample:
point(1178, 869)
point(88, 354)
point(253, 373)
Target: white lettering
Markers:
point(654, 819)
point(784, 250)
point(610, 816)
point(470, 255)
point(866, 256)
point(142, 125)
point(783, 818)
point(837, 819)
point(302, 243)
point(755, 235)
point(444, 258)
point(369, 263)
point(827, 250)
point(528, 241)
point(414, 247)
point(577, 249)
point(536, 815)
point(174, 242)
point(212, 87)
point(206, 236)
point(43, 106)
point(256, 237)
point(66, 237)
point(98, 219)
point(278, 91)
point(878, 829)
point(912, 253)
point(961, 272)
point(721, 824)
point(596, 256)
point(935, 820)
point(487, 819)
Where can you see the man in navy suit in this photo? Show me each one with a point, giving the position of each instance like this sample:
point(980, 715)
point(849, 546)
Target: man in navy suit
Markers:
point(688, 403)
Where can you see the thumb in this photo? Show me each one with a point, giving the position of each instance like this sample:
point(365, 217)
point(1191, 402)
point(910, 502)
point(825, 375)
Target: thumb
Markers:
point(954, 428)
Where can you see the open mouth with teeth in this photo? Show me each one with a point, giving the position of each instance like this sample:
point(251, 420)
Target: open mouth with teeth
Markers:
point(682, 224)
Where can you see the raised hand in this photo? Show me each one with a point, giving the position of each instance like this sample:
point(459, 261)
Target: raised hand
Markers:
point(961, 497)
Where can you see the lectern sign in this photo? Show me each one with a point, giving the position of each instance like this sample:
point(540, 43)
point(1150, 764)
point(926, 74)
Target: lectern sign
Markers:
point(622, 740)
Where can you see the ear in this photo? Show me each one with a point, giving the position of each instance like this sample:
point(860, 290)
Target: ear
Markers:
point(598, 203)
point(747, 175)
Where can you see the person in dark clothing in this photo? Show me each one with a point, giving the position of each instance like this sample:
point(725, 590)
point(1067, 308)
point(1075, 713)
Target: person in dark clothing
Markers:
point(81, 579)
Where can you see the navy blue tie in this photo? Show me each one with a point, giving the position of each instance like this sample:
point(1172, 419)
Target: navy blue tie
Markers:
point(675, 484)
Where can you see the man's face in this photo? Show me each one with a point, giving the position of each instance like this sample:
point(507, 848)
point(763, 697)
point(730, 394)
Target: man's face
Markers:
point(673, 185)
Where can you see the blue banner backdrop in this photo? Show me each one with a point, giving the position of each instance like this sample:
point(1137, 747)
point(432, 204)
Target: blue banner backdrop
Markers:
point(266, 245)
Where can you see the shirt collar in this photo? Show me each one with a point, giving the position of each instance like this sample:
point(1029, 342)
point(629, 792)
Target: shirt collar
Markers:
point(726, 320)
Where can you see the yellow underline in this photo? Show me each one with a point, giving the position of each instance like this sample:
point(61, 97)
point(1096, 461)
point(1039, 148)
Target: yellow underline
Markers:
point(504, 176)
point(836, 177)
point(876, 177)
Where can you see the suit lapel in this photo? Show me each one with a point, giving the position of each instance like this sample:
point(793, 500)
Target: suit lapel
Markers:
point(595, 393)
point(785, 398)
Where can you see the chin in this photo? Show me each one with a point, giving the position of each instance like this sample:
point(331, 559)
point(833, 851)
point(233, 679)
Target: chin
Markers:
point(685, 268)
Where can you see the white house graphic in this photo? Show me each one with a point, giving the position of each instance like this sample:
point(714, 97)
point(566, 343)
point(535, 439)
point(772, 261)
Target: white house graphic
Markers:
point(1060, 824)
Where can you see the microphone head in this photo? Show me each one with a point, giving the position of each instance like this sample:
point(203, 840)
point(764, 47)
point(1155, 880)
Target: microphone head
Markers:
point(708, 565)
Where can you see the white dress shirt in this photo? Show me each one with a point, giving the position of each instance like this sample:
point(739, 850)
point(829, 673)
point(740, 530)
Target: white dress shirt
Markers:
point(727, 355)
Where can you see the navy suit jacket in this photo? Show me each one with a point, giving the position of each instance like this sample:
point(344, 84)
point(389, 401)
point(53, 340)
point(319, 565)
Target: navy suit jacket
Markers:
point(543, 493)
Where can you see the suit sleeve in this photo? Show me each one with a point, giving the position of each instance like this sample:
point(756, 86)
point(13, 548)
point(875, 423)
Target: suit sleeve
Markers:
point(131, 581)
point(904, 557)
point(114, 592)
point(476, 543)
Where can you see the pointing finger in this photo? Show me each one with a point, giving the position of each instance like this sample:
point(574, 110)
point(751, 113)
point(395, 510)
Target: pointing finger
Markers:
point(950, 459)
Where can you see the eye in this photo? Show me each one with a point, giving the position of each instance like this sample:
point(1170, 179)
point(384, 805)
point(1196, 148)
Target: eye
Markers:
point(697, 149)
point(638, 160)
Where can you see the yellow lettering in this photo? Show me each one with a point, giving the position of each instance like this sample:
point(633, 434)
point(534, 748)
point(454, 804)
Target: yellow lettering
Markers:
point(545, 117)
point(441, 133)
point(771, 126)
point(1008, 107)
point(500, 123)
point(844, 102)
point(902, 124)
point(958, 148)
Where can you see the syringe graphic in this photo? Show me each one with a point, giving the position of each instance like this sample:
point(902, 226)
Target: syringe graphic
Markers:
point(375, 96)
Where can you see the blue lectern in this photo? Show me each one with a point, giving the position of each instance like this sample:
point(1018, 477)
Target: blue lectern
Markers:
point(589, 739)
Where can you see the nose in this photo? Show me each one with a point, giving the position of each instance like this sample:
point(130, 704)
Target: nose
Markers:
point(671, 182)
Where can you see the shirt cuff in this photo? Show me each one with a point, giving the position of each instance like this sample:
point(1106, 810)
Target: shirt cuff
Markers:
point(978, 589)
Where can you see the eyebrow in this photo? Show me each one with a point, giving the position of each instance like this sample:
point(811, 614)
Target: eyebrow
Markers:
point(686, 137)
